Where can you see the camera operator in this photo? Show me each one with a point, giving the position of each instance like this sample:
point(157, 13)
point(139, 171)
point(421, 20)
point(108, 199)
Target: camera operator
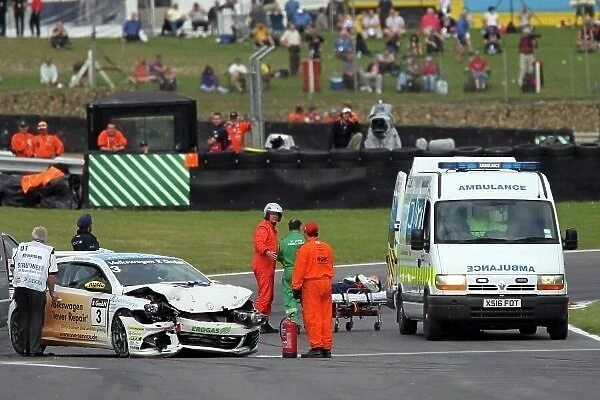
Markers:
point(527, 47)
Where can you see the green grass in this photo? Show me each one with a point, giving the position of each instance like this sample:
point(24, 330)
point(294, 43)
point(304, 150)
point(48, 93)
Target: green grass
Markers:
point(587, 319)
point(565, 70)
point(222, 241)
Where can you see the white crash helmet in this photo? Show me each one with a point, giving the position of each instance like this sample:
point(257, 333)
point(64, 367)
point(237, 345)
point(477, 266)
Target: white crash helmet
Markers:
point(273, 208)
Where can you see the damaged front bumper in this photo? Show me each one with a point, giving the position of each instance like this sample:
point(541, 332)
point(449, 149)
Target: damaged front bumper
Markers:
point(169, 338)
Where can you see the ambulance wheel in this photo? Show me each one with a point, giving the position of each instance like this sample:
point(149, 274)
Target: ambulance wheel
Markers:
point(405, 326)
point(118, 333)
point(431, 329)
point(558, 331)
point(336, 326)
point(528, 330)
point(377, 326)
point(349, 325)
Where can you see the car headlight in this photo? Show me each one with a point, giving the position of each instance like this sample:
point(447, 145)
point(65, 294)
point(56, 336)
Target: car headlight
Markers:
point(551, 282)
point(451, 282)
point(249, 318)
point(151, 308)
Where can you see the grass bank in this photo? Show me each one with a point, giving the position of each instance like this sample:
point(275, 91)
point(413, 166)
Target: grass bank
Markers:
point(221, 241)
point(587, 318)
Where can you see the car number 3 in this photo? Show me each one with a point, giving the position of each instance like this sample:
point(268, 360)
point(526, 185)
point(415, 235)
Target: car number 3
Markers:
point(98, 316)
point(114, 268)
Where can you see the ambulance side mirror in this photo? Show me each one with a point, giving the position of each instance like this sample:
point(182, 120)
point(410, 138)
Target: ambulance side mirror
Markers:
point(570, 240)
point(417, 239)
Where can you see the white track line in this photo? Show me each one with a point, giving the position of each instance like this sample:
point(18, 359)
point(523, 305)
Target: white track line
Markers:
point(588, 335)
point(461, 352)
point(34, 364)
point(369, 264)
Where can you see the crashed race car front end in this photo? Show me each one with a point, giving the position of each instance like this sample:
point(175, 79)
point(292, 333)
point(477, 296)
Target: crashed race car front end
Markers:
point(169, 324)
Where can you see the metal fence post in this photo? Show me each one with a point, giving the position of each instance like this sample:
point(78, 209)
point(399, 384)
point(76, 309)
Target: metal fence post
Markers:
point(255, 91)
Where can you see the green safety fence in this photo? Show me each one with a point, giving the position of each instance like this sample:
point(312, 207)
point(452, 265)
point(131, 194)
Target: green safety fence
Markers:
point(138, 180)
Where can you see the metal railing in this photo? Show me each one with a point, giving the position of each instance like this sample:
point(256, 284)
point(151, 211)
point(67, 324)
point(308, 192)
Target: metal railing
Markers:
point(10, 163)
point(255, 89)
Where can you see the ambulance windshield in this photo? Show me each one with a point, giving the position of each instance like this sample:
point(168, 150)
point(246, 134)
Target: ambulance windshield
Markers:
point(495, 221)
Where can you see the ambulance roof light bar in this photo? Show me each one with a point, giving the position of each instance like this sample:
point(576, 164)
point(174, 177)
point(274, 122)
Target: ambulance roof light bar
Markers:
point(477, 165)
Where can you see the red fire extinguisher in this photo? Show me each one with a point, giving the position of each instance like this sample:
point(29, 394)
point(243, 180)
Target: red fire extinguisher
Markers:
point(289, 338)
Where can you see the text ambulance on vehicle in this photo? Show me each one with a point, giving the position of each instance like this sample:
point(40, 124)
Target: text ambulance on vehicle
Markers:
point(475, 241)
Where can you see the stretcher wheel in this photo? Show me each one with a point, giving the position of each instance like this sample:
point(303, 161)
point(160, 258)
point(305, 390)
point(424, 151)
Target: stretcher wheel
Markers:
point(336, 326)
point(349, 325)
point(377, 326)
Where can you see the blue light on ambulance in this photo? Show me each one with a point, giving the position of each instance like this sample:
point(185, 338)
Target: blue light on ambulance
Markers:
point(472, 165)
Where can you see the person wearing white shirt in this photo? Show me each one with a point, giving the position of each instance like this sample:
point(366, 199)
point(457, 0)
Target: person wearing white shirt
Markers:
point(291, 39)
point(175, 18)
point(371, 25)
point(48, 73)
point(445, 7)
point(394, 26)
point(491, 18)
point(237, 74)
point(34, 272)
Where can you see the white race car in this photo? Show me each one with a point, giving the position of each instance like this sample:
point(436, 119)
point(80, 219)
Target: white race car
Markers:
point(145, 305)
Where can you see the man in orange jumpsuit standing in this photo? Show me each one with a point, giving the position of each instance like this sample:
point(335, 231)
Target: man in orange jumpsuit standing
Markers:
point(112, 139)
point(311, 281)
point(47, 145)
point(265, 260)
point(21, 142)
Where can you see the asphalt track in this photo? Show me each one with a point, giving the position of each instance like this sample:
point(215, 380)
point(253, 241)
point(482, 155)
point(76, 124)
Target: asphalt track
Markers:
point(366, 364)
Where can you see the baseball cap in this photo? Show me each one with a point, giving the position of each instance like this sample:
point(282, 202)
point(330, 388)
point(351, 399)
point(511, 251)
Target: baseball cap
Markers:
point(233, 115)
point(23, 124)
point(84, 221)
point(346, 110)
point(42, 125)
point(311, 228)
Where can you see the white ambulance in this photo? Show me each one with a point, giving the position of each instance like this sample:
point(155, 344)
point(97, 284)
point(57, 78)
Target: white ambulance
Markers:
point(474, 242)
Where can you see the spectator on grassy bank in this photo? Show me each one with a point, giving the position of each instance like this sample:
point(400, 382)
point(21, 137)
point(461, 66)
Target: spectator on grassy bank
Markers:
point(478, 73)
point(132, 28)
point(429, 74)
point(209, 81)
point(292, 40)
point(586, 40)
point(59, 38)
point(173, 22)
point(371, 26)
point(463, 37)
point(140, 72)
point(343, 45)
point(262, 35)
point(199, 17)
point(48, 73)
point(237, 72)
point(168, 81)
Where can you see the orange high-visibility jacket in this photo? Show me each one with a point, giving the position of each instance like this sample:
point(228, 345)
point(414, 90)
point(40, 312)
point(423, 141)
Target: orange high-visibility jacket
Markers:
point(314, 260)
point(48, 146)
point(117, 140)
point(21, 144)
point(265, 239)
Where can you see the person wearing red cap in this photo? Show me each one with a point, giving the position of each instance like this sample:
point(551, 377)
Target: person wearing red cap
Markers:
point(311, 282)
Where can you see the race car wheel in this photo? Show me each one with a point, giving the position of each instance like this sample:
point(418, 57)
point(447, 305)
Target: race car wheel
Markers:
point(349, 325)
point(119, 336)
point(336, 326)
point(405, 326)
point(528, 330)
point(377, 326)
point(558, 331)
point(431, 329)
point(14, 335)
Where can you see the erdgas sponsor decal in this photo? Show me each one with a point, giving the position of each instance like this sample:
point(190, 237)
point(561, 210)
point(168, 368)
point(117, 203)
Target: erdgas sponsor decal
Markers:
point(493, 187)
point(211, 330)
point(500, 268)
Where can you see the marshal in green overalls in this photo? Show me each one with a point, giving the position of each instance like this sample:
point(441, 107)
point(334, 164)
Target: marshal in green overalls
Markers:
point(286, 255)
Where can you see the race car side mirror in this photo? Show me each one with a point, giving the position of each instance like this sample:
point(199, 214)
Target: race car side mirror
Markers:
point(417, 239)
point(570, 240)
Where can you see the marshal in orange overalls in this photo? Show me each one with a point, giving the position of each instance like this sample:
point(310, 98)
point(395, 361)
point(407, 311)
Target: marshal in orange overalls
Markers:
point(313, 272)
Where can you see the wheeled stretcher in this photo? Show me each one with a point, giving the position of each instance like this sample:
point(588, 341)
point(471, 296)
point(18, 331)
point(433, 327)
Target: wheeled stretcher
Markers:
point(357, 302)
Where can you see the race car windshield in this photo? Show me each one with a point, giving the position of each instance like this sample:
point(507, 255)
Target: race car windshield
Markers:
point(131, 272)
point(495, 221)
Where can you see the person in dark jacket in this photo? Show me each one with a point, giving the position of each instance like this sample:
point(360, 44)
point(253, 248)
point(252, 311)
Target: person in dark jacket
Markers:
point(83, 239)
point(346, 132)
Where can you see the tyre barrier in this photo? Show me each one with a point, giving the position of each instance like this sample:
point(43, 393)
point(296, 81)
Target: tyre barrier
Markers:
point(313, 158)
point(252, 160)
point(398, 158)
point(369, 157)
point(344, 158)
point(283, 159)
